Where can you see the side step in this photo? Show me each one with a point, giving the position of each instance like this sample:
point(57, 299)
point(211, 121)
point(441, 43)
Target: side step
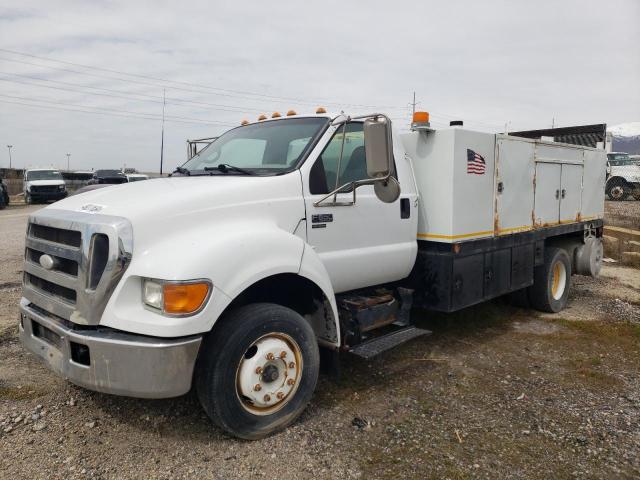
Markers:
point(377, 345)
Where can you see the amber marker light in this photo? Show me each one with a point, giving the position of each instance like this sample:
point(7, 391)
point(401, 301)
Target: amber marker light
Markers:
point(321, 110)
point(275, 115)
point(420, 117)
point(184, 298)
point(290, 113)
point(244, 122)
point(262, 117)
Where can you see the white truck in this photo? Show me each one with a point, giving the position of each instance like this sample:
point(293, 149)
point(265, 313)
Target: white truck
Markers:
point(43, 184)
point(623, 176)
point(295, 236)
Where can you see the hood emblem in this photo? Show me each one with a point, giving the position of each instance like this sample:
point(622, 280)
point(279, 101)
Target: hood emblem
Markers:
point(47, 262)
point(91, 208)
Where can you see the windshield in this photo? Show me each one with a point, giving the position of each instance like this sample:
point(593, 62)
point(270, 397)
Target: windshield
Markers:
point(264, 148)
point(43, 175)
point(621, 160)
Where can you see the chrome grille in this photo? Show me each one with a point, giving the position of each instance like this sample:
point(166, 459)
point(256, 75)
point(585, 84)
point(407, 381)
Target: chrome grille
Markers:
point(89, 254)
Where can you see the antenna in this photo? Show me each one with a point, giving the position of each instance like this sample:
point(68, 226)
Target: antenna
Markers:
point(162, 137)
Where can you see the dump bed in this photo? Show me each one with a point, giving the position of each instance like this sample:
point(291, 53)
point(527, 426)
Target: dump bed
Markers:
point(478, 185)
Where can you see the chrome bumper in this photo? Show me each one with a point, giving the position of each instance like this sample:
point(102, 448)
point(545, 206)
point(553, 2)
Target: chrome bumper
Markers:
point(111, 361)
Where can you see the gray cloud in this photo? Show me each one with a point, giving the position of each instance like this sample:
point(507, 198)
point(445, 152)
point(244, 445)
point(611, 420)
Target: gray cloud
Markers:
point(488, 63)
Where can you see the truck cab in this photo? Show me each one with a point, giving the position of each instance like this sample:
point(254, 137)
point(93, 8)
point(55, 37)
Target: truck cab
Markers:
point(623, 176)
point(42, 185)
point(297, 238)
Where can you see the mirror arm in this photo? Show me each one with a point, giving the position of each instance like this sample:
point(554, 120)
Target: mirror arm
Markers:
point(354, 185)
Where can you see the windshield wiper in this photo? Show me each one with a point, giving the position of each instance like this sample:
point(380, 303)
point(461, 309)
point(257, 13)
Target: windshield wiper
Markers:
point(225, 167)
point(182, 170)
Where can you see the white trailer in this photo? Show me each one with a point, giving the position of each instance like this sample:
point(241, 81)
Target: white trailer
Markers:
point(295, 236)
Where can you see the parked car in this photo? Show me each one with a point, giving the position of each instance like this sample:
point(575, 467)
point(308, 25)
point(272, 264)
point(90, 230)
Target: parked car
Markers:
point(623, 176)
point(136, 177)
point(43, 184)
point(109, 177)
point(4, 194)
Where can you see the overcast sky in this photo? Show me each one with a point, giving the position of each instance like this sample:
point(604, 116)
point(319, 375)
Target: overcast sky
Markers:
point(488, 63)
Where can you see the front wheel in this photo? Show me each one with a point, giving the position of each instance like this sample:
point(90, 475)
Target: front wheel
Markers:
point(27, 199)
point(617, 189)
point(257, 370)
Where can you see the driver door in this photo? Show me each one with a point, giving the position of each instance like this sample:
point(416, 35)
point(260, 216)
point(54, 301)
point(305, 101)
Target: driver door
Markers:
point(360, 245)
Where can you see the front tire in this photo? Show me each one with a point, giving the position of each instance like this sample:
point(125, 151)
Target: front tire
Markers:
point(617, 189)
point(257, 370)
point(551, 281)
point(27, 199)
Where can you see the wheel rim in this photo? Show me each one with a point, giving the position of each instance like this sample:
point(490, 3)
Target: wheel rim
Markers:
point(269, 373)
point(559, 280)
point(617, 192)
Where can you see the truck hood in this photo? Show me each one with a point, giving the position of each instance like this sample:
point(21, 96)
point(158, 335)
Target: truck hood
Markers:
point(42, 183)
point(165, 205)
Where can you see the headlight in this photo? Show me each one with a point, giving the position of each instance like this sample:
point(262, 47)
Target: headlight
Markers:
point(176, 297)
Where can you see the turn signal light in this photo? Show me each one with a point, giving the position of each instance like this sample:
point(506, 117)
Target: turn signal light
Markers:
point(262, 117)
point(291, 112)
point(321, 110)
point(184, 298)
point(275, 115)
point(420, 117)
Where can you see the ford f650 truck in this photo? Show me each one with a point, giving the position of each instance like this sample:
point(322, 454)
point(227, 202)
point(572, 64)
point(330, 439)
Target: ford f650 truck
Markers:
point(295, 236)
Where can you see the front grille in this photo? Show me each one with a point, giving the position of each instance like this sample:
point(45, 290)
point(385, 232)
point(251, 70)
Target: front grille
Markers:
point(71, 238)
point(45, 188)
point(85, 256)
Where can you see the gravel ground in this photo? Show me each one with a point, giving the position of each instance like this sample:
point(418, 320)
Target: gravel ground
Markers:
point(623, 214)
point(495, 392)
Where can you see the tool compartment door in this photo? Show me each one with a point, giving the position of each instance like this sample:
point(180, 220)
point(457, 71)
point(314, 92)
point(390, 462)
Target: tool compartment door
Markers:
point(547, 195)
point(570, 193)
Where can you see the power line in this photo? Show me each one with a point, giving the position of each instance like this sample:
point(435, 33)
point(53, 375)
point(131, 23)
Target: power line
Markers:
point(122, 113)
point(124, 95)
point(212, 90)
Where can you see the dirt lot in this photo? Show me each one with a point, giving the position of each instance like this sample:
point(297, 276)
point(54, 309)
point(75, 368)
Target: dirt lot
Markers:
point(495, 392)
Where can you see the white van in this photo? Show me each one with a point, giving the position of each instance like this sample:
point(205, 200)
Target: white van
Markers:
point(43, 184)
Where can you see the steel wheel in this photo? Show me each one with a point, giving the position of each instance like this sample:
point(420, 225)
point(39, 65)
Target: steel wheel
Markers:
point(269, 374)
point(559, 282)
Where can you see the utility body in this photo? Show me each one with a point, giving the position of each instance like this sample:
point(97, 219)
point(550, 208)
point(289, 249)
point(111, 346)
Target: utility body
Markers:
point(293, 236)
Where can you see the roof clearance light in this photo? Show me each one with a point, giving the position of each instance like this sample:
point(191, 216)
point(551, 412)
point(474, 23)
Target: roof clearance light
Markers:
point(244, 122)
point(321, 110)
point(275, 115)
point(420, 122)
point(262, 117)
point(290, 113)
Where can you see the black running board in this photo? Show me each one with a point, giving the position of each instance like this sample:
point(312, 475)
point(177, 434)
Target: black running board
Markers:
point(375, 346)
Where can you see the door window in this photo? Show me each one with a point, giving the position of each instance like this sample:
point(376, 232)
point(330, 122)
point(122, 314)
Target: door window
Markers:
point(326, 174)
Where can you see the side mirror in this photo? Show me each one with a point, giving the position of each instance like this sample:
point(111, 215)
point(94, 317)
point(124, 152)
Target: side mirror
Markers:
point(378, 146)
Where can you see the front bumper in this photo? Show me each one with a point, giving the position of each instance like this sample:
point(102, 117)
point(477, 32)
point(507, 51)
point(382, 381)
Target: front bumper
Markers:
point(44, 196)
point(111, 361)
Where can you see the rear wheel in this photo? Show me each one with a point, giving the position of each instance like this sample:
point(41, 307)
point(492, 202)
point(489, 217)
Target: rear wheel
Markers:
point(636, 192)
point(550, 289)
point(257, 370)
point(617, 189)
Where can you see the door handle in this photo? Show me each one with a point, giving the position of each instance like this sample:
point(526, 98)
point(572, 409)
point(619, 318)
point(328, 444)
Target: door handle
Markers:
point(564, 193)
point(557, 194)
point(405, 208)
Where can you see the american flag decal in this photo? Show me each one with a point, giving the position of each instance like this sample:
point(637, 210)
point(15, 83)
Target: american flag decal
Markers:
point(475, 163)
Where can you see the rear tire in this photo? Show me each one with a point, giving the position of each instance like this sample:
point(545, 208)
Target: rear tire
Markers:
point(551, 281)
point(636, 192)
point(618, 189)
point(244, 383)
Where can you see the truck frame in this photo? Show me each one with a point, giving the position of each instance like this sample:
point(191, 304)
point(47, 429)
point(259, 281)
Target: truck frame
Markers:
point(292, 241)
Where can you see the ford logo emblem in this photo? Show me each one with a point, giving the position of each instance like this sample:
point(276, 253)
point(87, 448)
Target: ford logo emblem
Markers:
point(47, 262)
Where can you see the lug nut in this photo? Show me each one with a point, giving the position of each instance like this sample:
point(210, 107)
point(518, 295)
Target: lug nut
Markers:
point(270, 356)
point(283, 354)
point(280, 395)
point(267, 398)
point(259, 370)
point(257, 387)
point(291, 381)
point(292, 365)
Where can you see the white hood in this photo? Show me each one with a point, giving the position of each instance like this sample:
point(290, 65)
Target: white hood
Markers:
point(42, 183)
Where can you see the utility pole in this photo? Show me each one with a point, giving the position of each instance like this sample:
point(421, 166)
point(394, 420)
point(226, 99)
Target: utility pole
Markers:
point(162, 138)
point(413, 106)
point(68, 155)
point(9, 147)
